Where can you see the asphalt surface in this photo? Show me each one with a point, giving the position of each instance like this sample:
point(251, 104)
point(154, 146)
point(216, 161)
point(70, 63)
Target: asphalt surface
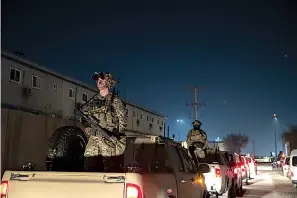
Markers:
point(269, 184)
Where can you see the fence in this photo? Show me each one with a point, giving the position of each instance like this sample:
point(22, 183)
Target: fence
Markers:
point(24, 138)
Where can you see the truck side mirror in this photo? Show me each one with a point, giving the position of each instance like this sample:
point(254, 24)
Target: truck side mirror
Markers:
point(203, 168)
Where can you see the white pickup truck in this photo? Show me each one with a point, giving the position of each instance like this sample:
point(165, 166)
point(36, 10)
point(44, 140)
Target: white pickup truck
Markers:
point(220, 180)
point(153, 167)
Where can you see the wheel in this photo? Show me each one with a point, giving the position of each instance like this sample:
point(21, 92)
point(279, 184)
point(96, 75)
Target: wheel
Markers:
point(239, 190)
point(232, 191)
point(206, 194)
point(246, 181)
point(66, 149)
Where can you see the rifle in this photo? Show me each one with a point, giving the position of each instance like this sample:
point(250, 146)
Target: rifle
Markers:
point(94, 124)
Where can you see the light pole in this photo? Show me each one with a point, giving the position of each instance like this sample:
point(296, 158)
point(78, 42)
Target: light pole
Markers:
point(179, 122)
point(275, 142)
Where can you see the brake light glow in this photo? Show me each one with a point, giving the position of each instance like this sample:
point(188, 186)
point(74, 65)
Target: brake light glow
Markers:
point(133, 191)
point(4, 189)
point(218, 172)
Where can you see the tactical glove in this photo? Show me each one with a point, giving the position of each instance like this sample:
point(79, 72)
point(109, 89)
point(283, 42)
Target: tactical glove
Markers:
point(84, 122)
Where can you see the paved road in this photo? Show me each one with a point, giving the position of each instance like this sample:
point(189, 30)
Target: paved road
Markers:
point(269, 184)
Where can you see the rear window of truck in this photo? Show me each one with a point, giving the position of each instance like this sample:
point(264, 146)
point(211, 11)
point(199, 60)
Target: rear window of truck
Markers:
point(214, 158)
point(144, 157)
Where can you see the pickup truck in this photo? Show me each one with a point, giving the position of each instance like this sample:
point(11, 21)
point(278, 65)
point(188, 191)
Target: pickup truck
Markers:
point(152, 167)
point(220, 180)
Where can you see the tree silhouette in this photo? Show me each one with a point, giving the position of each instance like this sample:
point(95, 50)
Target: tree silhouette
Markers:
point(236, 142)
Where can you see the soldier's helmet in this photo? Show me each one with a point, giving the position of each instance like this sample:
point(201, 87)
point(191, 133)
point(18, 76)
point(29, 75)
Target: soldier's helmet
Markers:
point(196, 123)
point(110, 81)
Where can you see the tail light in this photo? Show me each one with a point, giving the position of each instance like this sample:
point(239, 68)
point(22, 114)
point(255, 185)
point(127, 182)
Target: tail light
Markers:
point(218, 172)
point(4, 189)
point(235, 171)
point(133, 191)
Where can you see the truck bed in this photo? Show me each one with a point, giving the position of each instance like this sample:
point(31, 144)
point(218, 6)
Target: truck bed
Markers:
point(64, 184)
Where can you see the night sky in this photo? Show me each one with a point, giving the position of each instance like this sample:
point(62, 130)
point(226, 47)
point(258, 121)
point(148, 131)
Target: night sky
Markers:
point(242, 55)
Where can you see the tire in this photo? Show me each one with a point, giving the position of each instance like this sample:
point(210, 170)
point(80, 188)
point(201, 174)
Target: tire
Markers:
point(69, 144)
point(206, 194)
point(247, 181)
point(239, 190)
point(232, 191)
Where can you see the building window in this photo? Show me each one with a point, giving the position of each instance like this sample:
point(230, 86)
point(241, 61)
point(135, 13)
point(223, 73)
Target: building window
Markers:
point(152, 120)
point(162, 123)
point(141, 116)
point(15, 75)
point(85, 97)
point(71, 93)
point(134, 114)
point(147, 118)
point(158, 121)
point(36, 82)
point(55, 86)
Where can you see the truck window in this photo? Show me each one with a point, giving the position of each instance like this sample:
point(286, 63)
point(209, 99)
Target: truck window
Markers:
point(248, 159)
point(287, 160)
point(142, 155)
point(294, 161)
point(148, 157)
point(214, 158)
point(187, 161)
point(175, 157)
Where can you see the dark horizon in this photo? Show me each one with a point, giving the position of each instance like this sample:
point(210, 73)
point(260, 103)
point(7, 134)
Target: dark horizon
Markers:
point(241, 55)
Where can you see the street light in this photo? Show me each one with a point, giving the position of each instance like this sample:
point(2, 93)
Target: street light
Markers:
point(275, 143)
point(179, 122)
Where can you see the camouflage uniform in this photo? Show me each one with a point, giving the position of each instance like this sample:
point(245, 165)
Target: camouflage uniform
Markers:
point(197, 140)
point(111, 114)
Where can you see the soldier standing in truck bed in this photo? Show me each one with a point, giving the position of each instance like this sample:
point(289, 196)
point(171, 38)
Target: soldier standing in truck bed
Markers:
point(111, 114)
point(197, 142)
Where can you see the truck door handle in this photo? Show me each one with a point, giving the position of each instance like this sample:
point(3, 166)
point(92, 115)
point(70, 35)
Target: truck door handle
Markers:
point(118, 179)
point(21, 177)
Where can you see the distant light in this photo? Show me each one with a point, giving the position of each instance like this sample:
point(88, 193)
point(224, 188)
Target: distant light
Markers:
point(218, 139)
point(180, 121)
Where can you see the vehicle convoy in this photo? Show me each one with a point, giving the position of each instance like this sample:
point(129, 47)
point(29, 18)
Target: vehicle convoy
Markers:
point(233, 160)
point(220, 180)
point(150, 167)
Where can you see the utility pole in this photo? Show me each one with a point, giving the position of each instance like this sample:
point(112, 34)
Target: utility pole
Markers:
point(275, 142)
point(196, 104)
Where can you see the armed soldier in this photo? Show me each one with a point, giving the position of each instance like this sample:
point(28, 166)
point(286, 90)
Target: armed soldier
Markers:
point(197, 141)
point(111, 116)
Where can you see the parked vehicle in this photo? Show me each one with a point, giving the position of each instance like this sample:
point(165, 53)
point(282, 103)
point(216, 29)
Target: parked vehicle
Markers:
point(244, 169)
point(293, 167)
point(251, 166)
point(220, 180)
point(286, 166)
point(235, 165)
point(151, 167)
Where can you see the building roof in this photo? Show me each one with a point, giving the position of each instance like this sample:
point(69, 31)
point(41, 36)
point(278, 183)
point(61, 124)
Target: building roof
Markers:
point(32, 65)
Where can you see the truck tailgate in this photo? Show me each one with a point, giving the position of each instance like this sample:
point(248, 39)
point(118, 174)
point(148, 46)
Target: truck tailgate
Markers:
point(64, 184)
